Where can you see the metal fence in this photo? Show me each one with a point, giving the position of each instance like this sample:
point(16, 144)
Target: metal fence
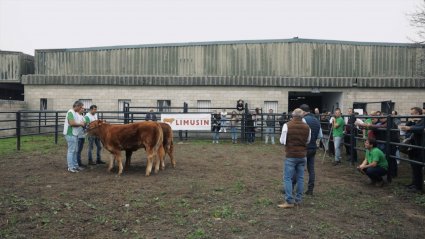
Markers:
point(354, 136)
point(51, 122)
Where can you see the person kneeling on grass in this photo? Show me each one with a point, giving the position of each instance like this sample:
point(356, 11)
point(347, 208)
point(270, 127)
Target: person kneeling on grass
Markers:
point(375, 164)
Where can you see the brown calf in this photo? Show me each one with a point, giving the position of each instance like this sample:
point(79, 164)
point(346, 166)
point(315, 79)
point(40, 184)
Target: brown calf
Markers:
point(167, 144)
point(130, 137)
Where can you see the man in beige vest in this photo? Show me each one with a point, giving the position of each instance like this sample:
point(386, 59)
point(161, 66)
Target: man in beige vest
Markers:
point(295, 136)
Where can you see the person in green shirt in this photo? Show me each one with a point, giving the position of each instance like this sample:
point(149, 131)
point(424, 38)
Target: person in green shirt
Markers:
point(338, 132)
point(70, 131)
point(375, 164)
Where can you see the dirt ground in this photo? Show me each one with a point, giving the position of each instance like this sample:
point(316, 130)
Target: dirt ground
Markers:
point(216, 191)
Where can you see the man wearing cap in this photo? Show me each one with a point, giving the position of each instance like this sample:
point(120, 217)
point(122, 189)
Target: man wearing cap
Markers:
point(295, 136)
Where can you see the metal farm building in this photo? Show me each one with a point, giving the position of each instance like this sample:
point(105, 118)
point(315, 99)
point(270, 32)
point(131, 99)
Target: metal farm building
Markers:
point(277, 74)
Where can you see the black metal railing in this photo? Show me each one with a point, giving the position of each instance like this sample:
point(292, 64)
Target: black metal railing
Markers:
point(28, 123)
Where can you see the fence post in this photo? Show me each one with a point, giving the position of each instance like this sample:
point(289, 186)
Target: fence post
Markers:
point(353, 140)
point(132, 117)
point(18, 130)
point(388, 148)
point(56, 127)
point(185, 110)
point(262, 123)
point(39, 122)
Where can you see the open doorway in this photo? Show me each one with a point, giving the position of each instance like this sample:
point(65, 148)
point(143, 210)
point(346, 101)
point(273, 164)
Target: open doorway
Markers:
point(323, 100)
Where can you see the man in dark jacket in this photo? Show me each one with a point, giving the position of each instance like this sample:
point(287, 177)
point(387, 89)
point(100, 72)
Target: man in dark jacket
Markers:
point(416, 126)
point(314, 125)
point(151, 116)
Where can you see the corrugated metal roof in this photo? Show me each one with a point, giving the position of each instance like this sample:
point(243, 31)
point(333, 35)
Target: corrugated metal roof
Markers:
point(266, 59)
point(293, 40)
point(15, 64)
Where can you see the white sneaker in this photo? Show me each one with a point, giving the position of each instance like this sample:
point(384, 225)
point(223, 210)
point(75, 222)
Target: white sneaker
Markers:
point(73, 170)
point(224, 130)
point(216, 142)
point(213, 141)
point(398, 161)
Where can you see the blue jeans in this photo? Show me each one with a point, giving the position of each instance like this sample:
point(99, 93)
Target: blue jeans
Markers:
point(93, 140)
point(234, 134)
point(294, 165)
point(375, 173)
point(80, 148)
point(382, 148)
point(270, 133)
point(337, 143)
point(216, 134)
point(71, 156)
point(251, 134)
point(223, 123)
point(311, 156)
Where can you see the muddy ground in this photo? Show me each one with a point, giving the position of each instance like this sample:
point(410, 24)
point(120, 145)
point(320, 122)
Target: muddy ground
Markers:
point(216, 191)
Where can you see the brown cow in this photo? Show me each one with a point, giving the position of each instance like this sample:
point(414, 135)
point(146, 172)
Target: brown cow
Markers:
point(167, 144)
point(130, 137)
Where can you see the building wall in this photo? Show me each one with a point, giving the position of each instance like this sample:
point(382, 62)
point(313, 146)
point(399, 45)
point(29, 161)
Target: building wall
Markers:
point(5, 107)
point(15, 64)
point(106, 97)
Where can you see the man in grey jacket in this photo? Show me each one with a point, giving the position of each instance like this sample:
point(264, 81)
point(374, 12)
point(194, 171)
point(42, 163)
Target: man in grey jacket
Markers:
point(270, 123)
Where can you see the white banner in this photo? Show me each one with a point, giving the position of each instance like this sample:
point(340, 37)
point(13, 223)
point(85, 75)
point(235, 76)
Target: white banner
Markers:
point(187, 121)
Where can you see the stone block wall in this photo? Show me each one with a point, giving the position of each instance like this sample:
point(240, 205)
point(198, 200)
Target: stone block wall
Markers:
point(7, 109)
point(106, 97)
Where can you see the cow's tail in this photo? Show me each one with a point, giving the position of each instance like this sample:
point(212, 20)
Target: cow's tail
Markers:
point(161, 138)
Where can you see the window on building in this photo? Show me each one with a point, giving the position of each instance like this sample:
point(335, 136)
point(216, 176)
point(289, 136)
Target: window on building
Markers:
point(43, 104)
point(121, 104)
point(270, 105)
point(204, 105)
point(87, 103)
point(163, 105)
point(387, 107)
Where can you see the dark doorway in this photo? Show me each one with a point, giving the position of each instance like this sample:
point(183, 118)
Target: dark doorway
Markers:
point(312, 101)
point(11, 91)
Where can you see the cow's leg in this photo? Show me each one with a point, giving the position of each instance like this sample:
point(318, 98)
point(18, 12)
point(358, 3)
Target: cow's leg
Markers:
point(160, 158)
point(118, 157)
point(171, 153)
point(128, 154)
point(111, 164)
point(151, 156)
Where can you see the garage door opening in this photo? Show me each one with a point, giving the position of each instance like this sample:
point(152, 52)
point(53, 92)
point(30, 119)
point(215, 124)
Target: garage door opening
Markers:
point(323, 100)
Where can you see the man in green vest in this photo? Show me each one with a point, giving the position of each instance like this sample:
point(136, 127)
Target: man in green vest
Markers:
point(338, 132)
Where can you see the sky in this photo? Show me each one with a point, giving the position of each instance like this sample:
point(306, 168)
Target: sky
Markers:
point(26, 25)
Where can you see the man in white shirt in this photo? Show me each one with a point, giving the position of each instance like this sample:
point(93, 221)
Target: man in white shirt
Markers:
point(90, 117)
point(71, 130)
point(295, 136)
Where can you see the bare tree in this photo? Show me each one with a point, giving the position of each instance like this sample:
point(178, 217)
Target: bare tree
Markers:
point(417, 21)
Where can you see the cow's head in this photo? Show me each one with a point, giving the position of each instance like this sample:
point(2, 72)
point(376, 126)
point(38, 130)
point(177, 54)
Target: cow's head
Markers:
point(95, 124)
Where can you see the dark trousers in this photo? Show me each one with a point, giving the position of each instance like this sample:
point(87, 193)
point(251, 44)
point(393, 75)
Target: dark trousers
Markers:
point(347, 140)
point(80, 149)
point(393, 161)
point(417, 174)
point(331, 145)
point(250, 134)
point(375, 173)
point(311, 155)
